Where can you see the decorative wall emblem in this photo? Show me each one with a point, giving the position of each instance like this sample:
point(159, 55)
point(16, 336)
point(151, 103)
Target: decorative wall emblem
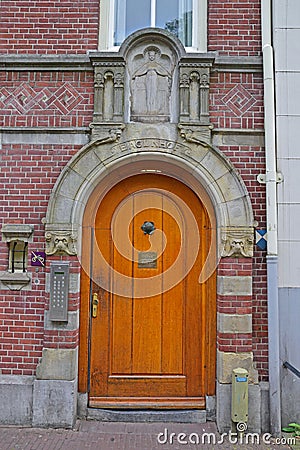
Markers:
point(237, 242)
point(239, 100)
point(261, 239)
point(61, 242)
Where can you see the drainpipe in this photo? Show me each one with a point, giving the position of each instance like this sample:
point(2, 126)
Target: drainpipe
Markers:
point(271, 194)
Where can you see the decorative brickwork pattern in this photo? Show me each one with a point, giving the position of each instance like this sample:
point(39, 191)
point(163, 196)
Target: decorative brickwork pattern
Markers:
point(236, 100)
point(46, 99)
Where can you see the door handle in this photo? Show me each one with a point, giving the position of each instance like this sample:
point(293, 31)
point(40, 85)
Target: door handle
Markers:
point(95, 303)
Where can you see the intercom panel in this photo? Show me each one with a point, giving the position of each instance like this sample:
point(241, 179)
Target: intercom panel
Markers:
point(59, 291)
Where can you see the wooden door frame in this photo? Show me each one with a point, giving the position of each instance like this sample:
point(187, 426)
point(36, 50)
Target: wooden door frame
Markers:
point(85, 320)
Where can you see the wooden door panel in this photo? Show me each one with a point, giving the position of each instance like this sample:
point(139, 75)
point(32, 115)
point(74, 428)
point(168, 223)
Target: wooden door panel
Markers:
point(147, 386)
point(153, 337)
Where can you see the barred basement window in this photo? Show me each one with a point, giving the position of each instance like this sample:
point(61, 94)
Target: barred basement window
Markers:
point(17, 256)
point(17, 236)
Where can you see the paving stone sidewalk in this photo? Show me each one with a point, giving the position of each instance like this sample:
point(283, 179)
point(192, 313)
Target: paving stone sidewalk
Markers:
point(95, 435)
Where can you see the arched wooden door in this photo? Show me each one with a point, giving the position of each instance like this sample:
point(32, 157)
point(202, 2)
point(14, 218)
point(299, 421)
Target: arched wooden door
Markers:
point(152, 333)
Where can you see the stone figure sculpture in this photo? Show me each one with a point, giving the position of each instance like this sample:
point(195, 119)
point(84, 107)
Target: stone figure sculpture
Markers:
point(151, 87)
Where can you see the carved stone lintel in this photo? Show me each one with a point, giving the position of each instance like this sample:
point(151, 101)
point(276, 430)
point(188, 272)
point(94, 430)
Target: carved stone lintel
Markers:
point(15, 231)
point(61, 242)
point(237, 242)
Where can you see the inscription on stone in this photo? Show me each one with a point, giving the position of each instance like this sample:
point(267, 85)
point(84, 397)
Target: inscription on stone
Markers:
point(147, 260)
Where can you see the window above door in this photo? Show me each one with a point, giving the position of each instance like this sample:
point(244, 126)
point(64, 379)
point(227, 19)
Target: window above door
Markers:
point(186, 19)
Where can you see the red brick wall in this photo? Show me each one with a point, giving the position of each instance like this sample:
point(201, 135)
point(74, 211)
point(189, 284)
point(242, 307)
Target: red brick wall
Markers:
point(28, 174)
point(250, 162)
point(234, 27)
point(52, 27)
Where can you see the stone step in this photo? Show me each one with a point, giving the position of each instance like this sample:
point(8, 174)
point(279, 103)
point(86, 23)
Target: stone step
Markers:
point(174, 416)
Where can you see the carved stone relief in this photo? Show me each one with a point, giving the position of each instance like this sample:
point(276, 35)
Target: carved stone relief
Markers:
point(237, 242)
point(194, 93)
point(151, 69)
point(109, 92)
point(105, 134)
point(196, 134)
point(61, 242)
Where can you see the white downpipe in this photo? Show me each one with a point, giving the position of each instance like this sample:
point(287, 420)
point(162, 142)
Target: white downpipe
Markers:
point(271, 194)
point(270, 130)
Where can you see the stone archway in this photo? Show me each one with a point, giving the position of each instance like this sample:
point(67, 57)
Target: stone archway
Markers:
point(204, 169)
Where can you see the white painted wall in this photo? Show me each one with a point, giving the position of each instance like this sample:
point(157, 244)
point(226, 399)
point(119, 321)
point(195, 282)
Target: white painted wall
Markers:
point(287, 75)
point(286, 36)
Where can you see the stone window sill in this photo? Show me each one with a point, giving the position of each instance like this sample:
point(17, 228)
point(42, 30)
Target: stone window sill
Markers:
point(14, 281)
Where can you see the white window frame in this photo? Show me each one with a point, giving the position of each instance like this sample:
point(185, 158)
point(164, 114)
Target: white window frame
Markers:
point(106, 28)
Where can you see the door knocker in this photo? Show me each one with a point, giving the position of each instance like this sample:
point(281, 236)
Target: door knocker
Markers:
point(148, 227)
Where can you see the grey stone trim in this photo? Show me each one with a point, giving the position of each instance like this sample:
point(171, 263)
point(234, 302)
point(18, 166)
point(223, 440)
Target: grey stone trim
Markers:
point(82, 404)
point(265, 409)
point(58, 364)
point(210, 401)
point(225, 136)
point(16, 62)
point(238, 64)
point(61, 242)
point(40, 135)
point(15, 281)
point(13, 231)
point(71, 325)
point(234, 285)
point(183, 416)
point(234, 323)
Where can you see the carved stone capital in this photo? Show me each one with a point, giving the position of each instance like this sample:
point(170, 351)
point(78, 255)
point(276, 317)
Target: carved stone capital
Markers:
point(237, 242)
point(61, 242)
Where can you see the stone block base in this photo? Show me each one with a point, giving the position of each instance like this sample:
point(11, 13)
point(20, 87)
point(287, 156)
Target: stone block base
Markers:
point(54, 403)
point(16, 393)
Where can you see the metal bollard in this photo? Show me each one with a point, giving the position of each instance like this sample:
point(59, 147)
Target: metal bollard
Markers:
point(239, 399)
